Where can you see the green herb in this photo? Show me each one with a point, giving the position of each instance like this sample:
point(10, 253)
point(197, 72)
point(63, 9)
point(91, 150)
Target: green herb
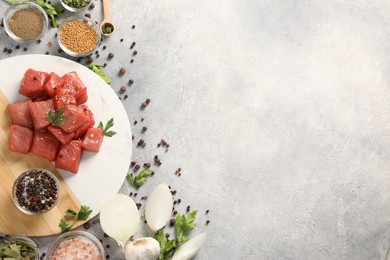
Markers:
point(82, 215)
point(167, 246)
point(56, 119)
point(183, 225)
point(140, 179)
point(52, 11)
point(17, 249)
point(109, 124)
point(108, 28)
point(77, 3)
point(96, 68)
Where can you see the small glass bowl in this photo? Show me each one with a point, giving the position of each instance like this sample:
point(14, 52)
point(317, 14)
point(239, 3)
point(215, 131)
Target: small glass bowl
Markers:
point(22, 239)
point(75, 9)
point(24, 5)
point(86, 20)
point(74, 238)
point(23, 180)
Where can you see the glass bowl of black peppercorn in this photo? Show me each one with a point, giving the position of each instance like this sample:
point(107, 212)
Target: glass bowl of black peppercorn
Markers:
point(25, 22)
point(36, 191)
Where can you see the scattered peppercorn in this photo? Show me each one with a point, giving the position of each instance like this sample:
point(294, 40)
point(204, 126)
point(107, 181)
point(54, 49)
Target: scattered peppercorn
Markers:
point(9, 51)
point(126, 96)
point(131, 82)
point(132, 27)
point(123, 89)
point(172, 222)
point(86, 225)
point(47, 53)
point(24, 49)
point(87, 15)
point(207, 222)
point(92, 6)
point(121, 40)
point(39, 41)
point(135, 122)
point(122, 71)
point(144, 128)
point(147, 165)
point(141, 142)
point(89, 59)
point(136, 167)
point(110, 55)
point(133, 163)
point(135, 53)
point(17, 47)
point(131, 61)
point(207, 212)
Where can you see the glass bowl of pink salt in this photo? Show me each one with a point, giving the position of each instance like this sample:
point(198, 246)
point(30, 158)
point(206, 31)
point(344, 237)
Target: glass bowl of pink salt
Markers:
point(76, 245)
point(25, 22)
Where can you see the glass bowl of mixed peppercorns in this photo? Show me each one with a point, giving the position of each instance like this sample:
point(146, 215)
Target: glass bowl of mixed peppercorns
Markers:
point(78, 36)
point(75, 5)
point(36, 191)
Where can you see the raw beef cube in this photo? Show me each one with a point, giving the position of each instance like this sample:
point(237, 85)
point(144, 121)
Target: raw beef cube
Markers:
point(72, 80)
point(33, 82)
point(83, 129)
point(64, 96)
point(69, 156)
point(20, 139)
point(60, 134)
point(55, 82)
point(93, 139)
point(20, 114)
point(39, 111)
point(45, 145)
point(75, 118)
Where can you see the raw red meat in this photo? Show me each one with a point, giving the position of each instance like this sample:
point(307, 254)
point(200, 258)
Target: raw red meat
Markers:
point(20, 139)
point(69, 156)
point(75, 118)
point(93, 139)
point(33, 82)
point(73, 82)
point(45, 145)
point(83, 129)
point(39, 111)
point(53, 84)
point(20, 113)
point(60, 134)
point(64, 96)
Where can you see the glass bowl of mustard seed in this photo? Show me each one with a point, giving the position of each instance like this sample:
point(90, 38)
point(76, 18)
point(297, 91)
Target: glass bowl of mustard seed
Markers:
point(78, 36)
point(36, 191)
point(25, 22)
point(75, 5)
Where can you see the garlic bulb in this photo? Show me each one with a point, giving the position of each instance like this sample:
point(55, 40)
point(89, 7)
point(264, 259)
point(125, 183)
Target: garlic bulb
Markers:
point(158, 209)
point(145, 248)
point(188, 250)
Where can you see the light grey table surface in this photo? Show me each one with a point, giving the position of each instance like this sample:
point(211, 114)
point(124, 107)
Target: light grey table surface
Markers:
point(278, 112)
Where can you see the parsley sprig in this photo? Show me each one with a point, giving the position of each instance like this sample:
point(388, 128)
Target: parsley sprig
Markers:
point(52, 11)
point(97, 69)
point(82, 215)
point(183, 225)
point(56, 118)
point(140, 179)
point(105, 129)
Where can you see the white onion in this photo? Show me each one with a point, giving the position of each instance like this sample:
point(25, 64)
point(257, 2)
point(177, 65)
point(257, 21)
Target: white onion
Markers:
point(120, 218)
point(158, 209)
point(188, 250)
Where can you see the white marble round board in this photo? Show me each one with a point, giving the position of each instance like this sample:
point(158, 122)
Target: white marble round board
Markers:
point(101, 174)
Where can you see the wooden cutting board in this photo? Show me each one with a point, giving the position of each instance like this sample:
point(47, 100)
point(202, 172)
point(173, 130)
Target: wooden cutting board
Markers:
point(12, 220)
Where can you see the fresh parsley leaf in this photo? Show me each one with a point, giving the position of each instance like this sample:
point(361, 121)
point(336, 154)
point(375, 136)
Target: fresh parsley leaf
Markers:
point(57, 119)
point(109, 124)
point(140, 179)
point(52, 11)
point(167, 246)
point(71, 213)
point(184, 225)
point(84, 213)
point(97, 69)
point(64, 226)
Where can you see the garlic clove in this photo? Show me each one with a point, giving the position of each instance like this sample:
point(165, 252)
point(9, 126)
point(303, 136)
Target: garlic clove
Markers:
point(119, 218)
point(158, 209)
point(145, 248)
point(188, 250)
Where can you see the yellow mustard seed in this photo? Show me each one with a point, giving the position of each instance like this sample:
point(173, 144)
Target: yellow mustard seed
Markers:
point(78, 36)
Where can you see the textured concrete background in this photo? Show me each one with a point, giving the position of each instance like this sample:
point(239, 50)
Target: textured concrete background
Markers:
point(277, 111)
